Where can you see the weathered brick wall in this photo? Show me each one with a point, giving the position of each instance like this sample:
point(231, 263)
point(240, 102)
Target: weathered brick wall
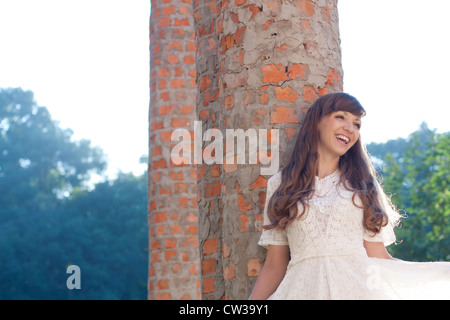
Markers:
point(259, 65)
point(209, 177)
point(174, 264)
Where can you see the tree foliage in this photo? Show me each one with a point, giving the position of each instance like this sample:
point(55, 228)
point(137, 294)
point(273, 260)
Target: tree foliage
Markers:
point(416, 171)
point(49, 220)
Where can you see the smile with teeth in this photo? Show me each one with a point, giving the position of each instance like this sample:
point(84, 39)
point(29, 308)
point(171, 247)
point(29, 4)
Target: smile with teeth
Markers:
point(343, 138)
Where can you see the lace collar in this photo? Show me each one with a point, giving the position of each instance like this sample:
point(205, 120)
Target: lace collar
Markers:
point(332, 177)
point(327, 184)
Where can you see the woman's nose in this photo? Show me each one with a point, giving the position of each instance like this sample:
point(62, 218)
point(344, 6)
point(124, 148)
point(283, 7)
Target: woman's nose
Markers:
point(349, 126)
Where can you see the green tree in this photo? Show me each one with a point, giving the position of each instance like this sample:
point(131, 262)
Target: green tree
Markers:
point(38, 159)
point(111, 238)
point(418, 179)
point(49, 220)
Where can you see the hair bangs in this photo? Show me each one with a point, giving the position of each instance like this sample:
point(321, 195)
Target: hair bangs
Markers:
point(341, 101)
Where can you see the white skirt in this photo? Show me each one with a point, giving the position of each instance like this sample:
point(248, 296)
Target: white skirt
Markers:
point(360, 277)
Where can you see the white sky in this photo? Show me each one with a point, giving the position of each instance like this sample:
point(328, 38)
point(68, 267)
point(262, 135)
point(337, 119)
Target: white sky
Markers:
point(87, 61)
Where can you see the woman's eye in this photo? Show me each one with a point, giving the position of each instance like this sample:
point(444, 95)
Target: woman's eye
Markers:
point(358, 125)
point(340, 117)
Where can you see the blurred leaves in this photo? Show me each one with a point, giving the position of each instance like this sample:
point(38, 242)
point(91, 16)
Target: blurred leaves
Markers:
point(416, 172)
point(49, 219)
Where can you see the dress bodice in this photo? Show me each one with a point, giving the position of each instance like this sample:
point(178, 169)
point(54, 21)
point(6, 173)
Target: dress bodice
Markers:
point(332, 224)
point(328, 259)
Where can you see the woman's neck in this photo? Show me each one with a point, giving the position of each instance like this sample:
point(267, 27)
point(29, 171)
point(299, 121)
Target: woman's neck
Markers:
point(327, 166)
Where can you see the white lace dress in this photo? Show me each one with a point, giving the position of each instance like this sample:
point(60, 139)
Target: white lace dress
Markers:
point(328, 259)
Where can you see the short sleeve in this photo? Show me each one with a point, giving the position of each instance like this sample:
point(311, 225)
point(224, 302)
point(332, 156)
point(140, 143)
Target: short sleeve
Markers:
point(272, 236)
point(387, 234)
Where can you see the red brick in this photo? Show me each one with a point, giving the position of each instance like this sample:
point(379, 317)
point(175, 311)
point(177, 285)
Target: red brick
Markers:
point(333, 77)
point(181, 22)
point(213, 189)
point(168, 10)
point(183, 202)
point(176, 229)
point(177, 83)
point(166, 109)
point(244, 222)
point(190, 46)
point(162, 73)
point(226, 250)
point(189, 60)
point(191, 230)
point(287, 94)
point(173, 59)
point(205, 83)
point(157, 125)
point(273, 73)
point(186, 109)
point(166, 136)
point(163, 284)
point(160, 217)
point(203, 114)
point(169, 254)
point(208, 285)
point(193, 268)
point(171, 243)
point(181, 188)
point(180, 122)
point(297, 71)
point(306, 7)
point(175, 45)
point(158, 164)
point(253, 9)
point(208, 266)
point(259, 183)
point(309, 94)
point(154, 244)
point(163, 296)
point(239, 35)
point(163, 22)
point(290, 132)
point(283, 115)
point(210, 246)
point(323, 91)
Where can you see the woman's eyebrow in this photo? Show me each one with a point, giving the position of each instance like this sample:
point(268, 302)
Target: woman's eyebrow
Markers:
point(346, 113)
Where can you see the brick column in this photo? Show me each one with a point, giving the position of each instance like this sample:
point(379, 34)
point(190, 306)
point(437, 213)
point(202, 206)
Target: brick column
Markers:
point(209, 176)
point(174, 264)
point(260, 65)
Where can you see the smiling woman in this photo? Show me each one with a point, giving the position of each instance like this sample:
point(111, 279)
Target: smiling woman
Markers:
point(318, 152)
point(338, 132)
point(327, 220)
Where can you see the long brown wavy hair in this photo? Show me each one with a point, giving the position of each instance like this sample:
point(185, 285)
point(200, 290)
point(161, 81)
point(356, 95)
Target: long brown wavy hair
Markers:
point(298, 176)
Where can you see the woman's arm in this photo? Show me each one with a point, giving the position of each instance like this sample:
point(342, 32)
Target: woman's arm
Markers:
point(376, 250)
point(271, 273)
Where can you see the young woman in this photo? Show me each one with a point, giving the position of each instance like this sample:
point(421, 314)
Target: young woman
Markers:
point(327, 220)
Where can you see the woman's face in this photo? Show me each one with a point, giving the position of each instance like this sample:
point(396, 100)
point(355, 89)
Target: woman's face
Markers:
point(338, 132)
